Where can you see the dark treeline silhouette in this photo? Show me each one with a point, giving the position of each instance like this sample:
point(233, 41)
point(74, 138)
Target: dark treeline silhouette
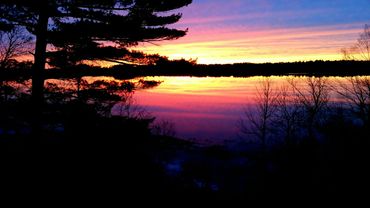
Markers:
point(190, 68)
point(295, 68)
point(183, 67)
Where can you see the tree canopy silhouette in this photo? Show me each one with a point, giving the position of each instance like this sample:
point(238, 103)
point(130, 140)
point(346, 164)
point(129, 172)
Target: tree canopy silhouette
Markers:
point(89, 29)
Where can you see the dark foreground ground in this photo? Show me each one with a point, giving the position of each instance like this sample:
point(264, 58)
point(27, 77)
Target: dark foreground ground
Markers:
point(89, 160)
point(74, 152)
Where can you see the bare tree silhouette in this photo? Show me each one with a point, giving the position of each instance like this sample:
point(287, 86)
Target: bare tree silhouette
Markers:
point(314, 98)
point(13, 43)
point(258, 120)
point(356, 92)
point(361, 49)
point(163, 128)
point(289, 114)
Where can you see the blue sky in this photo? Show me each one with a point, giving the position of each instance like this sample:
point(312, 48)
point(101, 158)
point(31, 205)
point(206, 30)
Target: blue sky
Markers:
point(266, 30)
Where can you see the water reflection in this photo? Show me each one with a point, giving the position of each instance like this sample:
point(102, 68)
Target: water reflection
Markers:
point(209, 110)
point(205, 109)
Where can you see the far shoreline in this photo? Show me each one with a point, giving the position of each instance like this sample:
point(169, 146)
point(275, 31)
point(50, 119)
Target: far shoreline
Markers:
point(310, 68)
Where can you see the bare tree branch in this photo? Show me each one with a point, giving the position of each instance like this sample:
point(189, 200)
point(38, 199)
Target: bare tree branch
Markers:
point(13, 44)
point(361, 49)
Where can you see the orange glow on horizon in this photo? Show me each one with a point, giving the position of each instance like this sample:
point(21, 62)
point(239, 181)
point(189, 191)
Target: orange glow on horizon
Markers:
point(238, 45)
point(223, 46)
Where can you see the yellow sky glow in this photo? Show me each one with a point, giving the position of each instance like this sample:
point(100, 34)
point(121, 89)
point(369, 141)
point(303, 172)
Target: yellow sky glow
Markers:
point(273, 45)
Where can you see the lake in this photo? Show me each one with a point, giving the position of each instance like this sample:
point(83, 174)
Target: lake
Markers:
point(209, 109)
point(203, 109)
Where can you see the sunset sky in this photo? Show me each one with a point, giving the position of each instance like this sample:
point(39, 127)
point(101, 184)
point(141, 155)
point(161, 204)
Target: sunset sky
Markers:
point(258, 31)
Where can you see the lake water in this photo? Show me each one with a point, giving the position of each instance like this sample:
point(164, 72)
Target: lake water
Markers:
point(204, 109)
point(208, 109)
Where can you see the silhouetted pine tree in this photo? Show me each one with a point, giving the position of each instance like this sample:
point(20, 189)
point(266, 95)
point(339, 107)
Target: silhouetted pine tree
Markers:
point(80, 29)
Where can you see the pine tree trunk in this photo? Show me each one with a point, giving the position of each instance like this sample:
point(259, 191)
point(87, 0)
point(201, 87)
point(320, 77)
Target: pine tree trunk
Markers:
point(38, 73)
point(40, 58)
